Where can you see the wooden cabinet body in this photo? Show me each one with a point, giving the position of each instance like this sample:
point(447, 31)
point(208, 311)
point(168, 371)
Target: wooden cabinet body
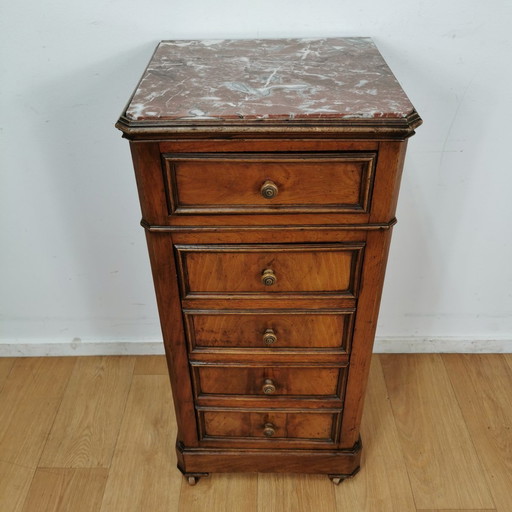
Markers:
point(268, 238)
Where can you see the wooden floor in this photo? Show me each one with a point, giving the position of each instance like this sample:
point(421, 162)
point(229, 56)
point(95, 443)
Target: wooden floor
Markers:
point(97, 434)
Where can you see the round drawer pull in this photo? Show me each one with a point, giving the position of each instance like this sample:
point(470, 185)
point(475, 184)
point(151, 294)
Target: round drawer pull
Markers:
point(269, 337)
point(268, 278)
point(269, 190)
point(269, 430)
point(268, 387)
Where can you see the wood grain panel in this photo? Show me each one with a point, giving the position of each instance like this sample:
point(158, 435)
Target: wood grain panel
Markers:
point(65, 489)
point(323, 461)
point(286, 492)
point(237, 269)
point(372, 280)
point(441, 461)
point(252, 424)
point(151, 365)
point(295, 329)
point(266, 357)
point(231, 183)
point(85, 430)
point(150, 185)
point(382, 485)
point(456, 510)
point(255, 301)
point(30, 399)
point(262, 144)
point(269, 234)
point(143, 475)
point(225, 380)
point(6, 364)
point(14, 485)
point(387, 180)
point(268, 222)
point(220, 493)
point(483, 386)
point(164, 273)
point(508, 358)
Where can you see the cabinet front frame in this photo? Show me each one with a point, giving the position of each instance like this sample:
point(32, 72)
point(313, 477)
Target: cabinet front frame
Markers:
point(376, 235)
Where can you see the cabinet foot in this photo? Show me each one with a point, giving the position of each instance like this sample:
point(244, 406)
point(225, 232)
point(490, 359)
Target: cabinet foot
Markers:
point(193, 478)
point(337, 479)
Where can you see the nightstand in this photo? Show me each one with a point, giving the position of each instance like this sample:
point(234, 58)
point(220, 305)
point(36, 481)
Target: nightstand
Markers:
point(268, 174)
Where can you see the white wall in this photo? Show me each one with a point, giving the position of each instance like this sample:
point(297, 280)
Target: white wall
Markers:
point(73, 260)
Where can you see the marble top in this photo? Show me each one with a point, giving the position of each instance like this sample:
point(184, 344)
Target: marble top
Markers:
point(268, 79)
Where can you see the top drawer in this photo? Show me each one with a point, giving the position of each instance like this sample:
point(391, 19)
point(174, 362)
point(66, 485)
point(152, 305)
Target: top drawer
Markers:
point(226, 183)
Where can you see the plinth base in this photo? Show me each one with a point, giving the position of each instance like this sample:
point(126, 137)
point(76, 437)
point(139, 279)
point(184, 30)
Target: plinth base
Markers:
point(336, 464)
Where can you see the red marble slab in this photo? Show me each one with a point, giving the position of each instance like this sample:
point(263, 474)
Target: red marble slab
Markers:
point(271, 79)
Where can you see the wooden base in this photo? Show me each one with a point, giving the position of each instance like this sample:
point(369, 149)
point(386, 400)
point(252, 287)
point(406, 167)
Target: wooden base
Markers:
point(338, 464)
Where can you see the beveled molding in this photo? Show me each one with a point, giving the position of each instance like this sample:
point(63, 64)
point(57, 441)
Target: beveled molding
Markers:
point(367, 128)
point(276, 227)
point(200, 350)
point(367, 160)
point(354, 249)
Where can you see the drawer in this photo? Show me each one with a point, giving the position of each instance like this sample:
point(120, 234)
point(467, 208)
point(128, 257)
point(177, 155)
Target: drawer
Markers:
point(273, 329)
point(250, 270)
point(220, 183)
point(269, 381)
point(268, 425)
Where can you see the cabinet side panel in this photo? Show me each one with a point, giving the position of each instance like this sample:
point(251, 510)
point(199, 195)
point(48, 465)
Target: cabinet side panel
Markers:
point(372, 281)
point(388, 174)
point(169, 308)
point(150, 183)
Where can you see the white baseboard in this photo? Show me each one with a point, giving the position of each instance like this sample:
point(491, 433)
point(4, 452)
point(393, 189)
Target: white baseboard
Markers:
point(383, 345)
point(461, 345)
point(39, 348)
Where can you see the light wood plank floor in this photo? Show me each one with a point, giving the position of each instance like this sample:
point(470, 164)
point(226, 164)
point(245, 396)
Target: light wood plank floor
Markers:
point(97, 434)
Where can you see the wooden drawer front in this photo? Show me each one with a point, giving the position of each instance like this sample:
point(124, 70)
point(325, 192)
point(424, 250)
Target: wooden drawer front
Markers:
point(298, 269)
point(232, 183)
point(269, 329)
point(268, 425)
point(255, 381)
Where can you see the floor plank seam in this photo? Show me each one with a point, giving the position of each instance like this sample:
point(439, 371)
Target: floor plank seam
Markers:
point(122, 416)
point(57, 412)
point(396, 430)
point(117, 438)
point(508, 360)
point(475, 448)
point(17, 465)
point(7, 377)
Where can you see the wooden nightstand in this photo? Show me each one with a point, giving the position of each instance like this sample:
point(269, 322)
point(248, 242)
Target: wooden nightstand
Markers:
point(268, 175)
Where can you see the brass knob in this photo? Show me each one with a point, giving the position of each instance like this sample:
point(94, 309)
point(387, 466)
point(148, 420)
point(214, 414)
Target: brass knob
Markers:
point(269, 190)
point(269, 430)
point(269, 337)
point(268, 278)
point(268, 387)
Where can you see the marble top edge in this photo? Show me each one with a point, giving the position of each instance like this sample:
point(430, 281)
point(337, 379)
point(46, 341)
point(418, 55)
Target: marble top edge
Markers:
point(210, 42)
point(279, 80)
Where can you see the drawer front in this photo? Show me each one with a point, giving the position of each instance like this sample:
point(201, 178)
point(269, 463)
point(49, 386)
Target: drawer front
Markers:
point(269, 381)
point(327, 269)
point(269, 329)
point(268, 425)
point(268, 183)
